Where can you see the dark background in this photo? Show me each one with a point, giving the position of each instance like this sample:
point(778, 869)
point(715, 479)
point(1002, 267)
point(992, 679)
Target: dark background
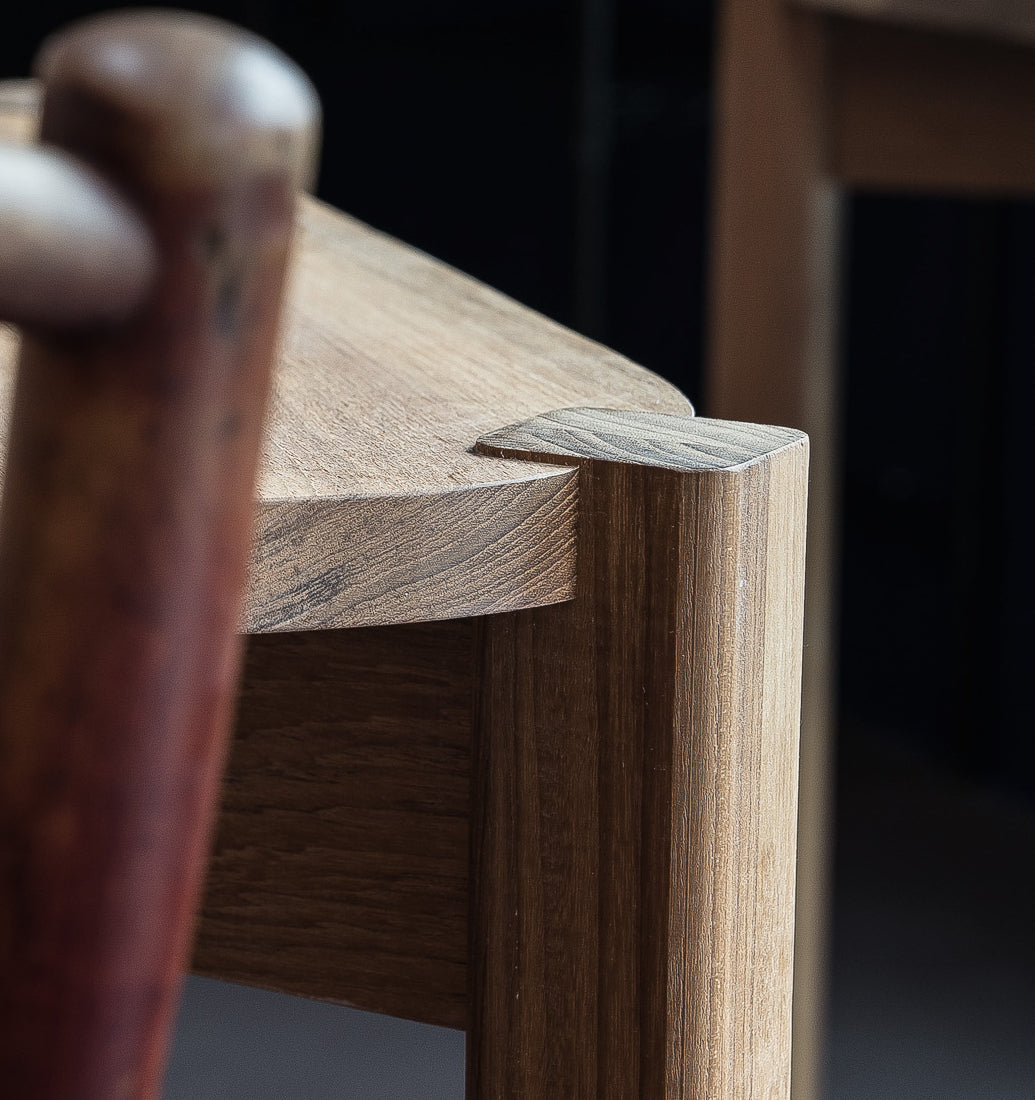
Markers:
point(560, 151)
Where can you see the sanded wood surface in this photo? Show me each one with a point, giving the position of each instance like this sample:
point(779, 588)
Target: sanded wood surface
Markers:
point(340, 867)
point(634, 783)
point(392, 365)
point(931, 112)
point(1010, 19)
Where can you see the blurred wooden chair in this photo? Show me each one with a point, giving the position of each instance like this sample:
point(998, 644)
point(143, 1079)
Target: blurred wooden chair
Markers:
point(143, 249)
point(517, 744)
point(813, 99)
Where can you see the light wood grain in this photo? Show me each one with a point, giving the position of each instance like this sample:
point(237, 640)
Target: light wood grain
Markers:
point(1010, 19)
point(774, 294)
point(391, 364)
point(370, 561)
point(340, 867)
point(931, 112)
point(634, 782)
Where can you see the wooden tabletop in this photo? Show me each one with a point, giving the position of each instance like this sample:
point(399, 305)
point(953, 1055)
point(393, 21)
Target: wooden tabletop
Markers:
point(373, 506)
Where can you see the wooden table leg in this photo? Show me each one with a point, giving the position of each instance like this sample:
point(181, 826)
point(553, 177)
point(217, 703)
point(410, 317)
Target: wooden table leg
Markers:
point(635, 775)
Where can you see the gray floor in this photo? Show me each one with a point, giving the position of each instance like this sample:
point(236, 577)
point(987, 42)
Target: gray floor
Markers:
point(234, 1043)
point(933, 992)
point(933, 977)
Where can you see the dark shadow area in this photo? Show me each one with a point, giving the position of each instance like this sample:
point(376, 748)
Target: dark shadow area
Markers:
point(938, 593)
point(933, 976)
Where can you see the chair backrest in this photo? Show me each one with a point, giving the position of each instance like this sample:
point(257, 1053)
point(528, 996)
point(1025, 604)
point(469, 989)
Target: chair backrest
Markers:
point(143, 251)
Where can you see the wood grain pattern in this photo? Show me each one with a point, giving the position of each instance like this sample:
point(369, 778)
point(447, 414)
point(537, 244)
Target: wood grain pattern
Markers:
point(931, 112)
point(126, 523)
point(409, 361)
point(657, 440)
point(772, 357)
point(402, 559)
point(1010, 19)
point(391, 364)
point(634, 781)
point(340, 867)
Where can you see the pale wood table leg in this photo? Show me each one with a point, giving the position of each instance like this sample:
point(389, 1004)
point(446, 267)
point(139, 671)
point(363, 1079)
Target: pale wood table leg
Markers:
point(635, 774)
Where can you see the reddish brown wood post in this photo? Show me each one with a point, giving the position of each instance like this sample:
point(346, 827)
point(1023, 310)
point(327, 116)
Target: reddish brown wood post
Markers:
point(634, 785)
point(126, 521)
